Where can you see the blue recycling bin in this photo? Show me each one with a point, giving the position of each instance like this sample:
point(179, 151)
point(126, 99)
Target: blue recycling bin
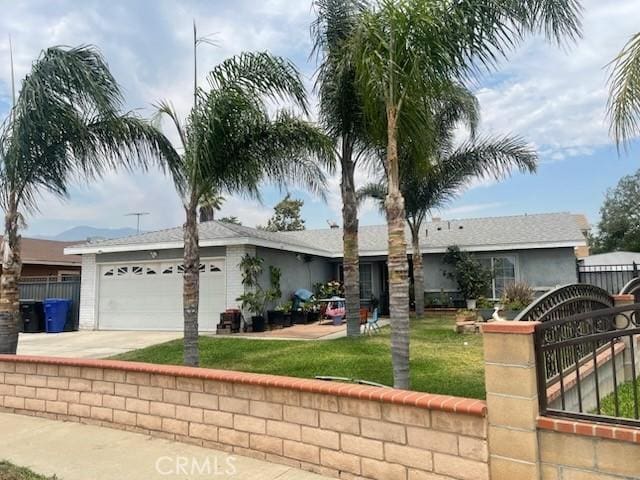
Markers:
point(56, 312)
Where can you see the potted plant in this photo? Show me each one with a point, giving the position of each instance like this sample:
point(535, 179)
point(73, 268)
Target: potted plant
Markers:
point(276, 315)
point(472, 278)
point(255, 299)
point(312, 309)
point(485, 308)
point(515, 298)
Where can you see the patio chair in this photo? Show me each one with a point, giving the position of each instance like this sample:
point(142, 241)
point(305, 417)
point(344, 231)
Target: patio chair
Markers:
point(372, 323)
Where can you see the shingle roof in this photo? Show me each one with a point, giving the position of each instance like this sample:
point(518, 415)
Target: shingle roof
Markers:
point(539, 229)
point(46, 252)
point(492, 233)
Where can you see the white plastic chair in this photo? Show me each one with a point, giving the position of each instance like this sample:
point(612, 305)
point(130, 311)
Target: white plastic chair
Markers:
point(372, 323)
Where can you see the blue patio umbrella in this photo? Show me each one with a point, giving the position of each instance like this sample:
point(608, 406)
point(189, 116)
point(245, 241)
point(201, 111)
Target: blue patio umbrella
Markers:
point(303, 294)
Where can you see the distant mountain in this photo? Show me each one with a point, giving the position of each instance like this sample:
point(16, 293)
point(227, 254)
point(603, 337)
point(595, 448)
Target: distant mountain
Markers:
point(84, 232)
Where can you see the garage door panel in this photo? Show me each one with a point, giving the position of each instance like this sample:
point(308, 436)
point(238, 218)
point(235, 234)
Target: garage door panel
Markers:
point(149, 296)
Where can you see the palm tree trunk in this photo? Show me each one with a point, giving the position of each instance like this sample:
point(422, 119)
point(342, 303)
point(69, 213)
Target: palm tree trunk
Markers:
point(9, 295)
point(191, 286)
point(418, 274)
point(351, 261)
point(398, 266)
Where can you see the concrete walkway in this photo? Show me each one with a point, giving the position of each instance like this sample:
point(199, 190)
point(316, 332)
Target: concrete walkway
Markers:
point(75, 451)
point(89, 344)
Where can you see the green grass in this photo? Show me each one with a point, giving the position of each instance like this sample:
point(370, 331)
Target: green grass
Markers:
point(9, 471)
point(625, 401)
point(441, 361)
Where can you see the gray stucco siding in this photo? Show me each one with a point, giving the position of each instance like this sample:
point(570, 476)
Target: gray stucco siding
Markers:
point(541, 268)
point(296, 272)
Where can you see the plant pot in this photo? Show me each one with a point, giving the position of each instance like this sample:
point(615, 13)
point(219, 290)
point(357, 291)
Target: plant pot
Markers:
point(313, 317)
point(298, 317)
point(471, 304)
point(257, 323)
point(510, 314)
point(337, 321)
point(276, 318)
point(486, 313)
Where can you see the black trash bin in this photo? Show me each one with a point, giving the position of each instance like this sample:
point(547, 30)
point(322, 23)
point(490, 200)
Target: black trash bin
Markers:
point(73, 321)
point(32, 313)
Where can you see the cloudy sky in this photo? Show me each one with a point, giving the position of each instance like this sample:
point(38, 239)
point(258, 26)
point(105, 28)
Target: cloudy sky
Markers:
point(555, 98)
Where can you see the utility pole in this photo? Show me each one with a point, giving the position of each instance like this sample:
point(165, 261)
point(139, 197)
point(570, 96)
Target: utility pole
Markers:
point(137, 215)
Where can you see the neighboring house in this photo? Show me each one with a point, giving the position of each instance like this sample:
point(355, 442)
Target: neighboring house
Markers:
point(136, 282)
point(585, 227)
point(46, 258)
point(612, 259)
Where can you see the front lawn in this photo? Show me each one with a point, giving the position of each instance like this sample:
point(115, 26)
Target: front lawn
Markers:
point(441, 360)
point(9, 471)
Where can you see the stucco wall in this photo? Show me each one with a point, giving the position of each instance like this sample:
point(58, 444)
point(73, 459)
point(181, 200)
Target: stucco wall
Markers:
point(296, 273)
point(543, 269)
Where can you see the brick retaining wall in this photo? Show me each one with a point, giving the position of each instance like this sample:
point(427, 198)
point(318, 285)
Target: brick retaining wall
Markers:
point(340, 430)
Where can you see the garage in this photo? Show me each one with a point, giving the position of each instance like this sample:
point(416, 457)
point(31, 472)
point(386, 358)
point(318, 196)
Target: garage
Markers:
point(148, 295)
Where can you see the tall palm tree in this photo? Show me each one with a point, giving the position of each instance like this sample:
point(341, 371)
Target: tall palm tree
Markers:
point(341, 117)
point(624, 95)
point(406, 51)
point(209, 204)
point(66, 123)
point(430, 183)
point(230, 144)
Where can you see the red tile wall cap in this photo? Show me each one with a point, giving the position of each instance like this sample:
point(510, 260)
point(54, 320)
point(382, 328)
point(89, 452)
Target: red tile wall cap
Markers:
point(428, 401)
point(590, 429)
point(506, 326)
point(624, 297)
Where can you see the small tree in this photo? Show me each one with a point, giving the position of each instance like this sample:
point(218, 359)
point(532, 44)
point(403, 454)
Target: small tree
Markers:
point(472, 278)
point(619, 226)
point(231, 219)
point(286, 216)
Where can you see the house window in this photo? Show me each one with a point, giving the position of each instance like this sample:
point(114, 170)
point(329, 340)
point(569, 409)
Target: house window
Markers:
point(503, 270)
point(214, 268)
point(109, 273)
point(151, 271)
point(122, 271)
point(366, 289)
point(168, 270)
point(136, 270)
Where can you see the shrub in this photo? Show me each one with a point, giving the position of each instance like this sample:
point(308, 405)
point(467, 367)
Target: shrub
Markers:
point(472, 278)
point(517, 296)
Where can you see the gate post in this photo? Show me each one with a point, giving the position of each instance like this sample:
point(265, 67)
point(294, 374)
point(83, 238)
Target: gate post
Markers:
point(512, 400)
point(621, 322)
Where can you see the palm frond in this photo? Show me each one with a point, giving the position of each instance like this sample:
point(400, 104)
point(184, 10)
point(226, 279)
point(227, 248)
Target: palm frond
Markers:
point(375, 191)
point(67, 123)
point(261, 74)
point(624, 93)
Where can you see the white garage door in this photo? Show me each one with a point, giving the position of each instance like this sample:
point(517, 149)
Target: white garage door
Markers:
point(148, 295)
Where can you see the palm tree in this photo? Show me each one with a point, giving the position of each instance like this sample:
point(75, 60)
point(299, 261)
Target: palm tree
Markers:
point(66, 123)
point(430, 183)
point(405, 52)
point(624, 95)
point(210, 203)
point(230, 144)
point(341, 117)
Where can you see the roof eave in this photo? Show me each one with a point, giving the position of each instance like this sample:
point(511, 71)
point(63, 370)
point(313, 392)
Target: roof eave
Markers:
point(97, 249)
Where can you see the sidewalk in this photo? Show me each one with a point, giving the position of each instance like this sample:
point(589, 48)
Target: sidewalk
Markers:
point(75, 451)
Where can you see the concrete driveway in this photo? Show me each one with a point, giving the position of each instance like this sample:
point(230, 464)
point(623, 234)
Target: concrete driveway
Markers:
point(89, 344)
